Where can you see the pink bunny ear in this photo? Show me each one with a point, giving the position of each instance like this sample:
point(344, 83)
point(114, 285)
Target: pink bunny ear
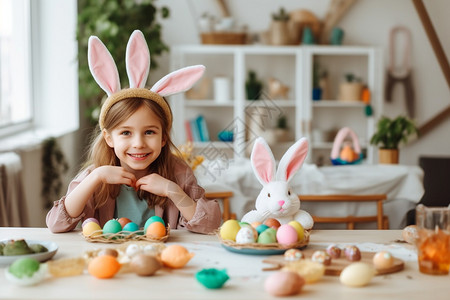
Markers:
point(292, 160)
point(137, 60)
point(178, 81)
point(102, 66)
point(263, 162)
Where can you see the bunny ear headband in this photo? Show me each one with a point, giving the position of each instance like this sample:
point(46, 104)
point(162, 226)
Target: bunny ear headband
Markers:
point(104, 71)
point(263, 162)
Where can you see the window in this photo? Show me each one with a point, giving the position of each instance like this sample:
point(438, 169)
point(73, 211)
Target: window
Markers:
point(15, 66)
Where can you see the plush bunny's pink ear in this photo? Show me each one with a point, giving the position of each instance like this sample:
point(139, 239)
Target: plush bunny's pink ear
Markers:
point(178, 81)
point(102, 66)
point(137, 60)
point(292, 160)
point(263, 162)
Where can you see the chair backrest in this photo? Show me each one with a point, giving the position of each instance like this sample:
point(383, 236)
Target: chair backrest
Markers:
point(435, 180)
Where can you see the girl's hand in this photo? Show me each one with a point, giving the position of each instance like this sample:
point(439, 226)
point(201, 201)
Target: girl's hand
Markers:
point(114, 175)
point(156, 184)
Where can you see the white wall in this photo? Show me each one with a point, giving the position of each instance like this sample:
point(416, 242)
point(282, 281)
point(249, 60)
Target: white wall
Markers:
point(367, 23)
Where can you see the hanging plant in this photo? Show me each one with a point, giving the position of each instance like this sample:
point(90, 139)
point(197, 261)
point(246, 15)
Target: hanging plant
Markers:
point(54, 165)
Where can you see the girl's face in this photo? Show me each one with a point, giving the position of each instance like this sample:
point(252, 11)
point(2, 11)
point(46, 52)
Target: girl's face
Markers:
point(137, 141)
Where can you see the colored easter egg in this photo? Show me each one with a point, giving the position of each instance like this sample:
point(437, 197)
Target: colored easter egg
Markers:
point(286, 235)
point(103, 266)
point(131, 226)
point(299, 228)
point(261, 228)
point(88, 220)
point(111, 227)
point(175, 256)
point(92, 229)
point(124, 221)
point(153, 219)
point(155, 230)
point(271, 222)
point(246, 235)
point(255, 224)
point(229, 230)
point(268, 236)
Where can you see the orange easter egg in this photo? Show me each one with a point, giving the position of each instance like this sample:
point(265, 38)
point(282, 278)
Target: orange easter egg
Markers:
point(271, 222)
point(156, 230)
point(104, 266)
point(175, 256)
point(255, 224)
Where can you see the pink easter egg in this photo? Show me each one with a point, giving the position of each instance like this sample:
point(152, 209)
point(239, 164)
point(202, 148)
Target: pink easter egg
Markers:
point(88, 220)
point(286, 234)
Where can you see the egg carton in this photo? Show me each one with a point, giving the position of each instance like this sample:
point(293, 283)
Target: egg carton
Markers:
point(124, 236)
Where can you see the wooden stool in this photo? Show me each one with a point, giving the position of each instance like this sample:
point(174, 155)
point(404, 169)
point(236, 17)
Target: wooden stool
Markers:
point(382, 221)
point(225, 196)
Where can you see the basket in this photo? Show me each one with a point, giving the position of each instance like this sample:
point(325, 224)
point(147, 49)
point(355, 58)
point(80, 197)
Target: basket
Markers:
point(224, 38)
point(124, 236)
point(271, 246)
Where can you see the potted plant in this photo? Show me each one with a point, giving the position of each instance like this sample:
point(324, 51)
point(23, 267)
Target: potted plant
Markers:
point(390, 133)
point(351, 89)
point(279, 32)
point(113, 22)
point(316, 91)
point(253, 86)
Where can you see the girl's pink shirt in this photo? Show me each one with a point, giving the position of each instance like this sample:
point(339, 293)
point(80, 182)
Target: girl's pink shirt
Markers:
point(207, 217)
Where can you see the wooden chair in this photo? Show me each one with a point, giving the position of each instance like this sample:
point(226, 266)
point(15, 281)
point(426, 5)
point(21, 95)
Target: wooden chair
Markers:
point(225, 196)
point(382, 221)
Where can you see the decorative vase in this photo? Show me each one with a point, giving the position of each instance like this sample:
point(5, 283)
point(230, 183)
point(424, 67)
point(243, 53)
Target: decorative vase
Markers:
point(350, 91)
point(388, 156)
point(317, 94)
point(279, 34)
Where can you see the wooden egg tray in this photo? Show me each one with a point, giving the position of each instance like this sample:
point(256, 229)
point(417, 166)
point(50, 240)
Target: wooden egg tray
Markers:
point(337, 264)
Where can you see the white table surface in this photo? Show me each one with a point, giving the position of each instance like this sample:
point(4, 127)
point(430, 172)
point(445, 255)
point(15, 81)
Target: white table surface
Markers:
point(245, 271)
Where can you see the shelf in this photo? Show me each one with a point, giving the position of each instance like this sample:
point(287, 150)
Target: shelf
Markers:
point(215, 144)
point(337, 103)
point(208, 103)
point(293, 67)
point(280, 103)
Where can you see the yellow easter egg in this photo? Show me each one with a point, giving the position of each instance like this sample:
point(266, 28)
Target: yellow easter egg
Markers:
point(92, 229)
point(299, 228)
point(229, 230)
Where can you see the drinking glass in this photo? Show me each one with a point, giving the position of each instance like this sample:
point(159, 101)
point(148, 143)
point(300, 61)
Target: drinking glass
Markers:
point(433, 243)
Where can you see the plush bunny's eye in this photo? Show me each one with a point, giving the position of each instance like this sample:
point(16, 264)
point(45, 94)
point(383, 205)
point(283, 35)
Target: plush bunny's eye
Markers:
point(289, 192)
point(268, 195)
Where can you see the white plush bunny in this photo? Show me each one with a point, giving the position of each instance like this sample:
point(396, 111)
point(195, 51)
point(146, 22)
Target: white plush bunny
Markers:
point(277, 199)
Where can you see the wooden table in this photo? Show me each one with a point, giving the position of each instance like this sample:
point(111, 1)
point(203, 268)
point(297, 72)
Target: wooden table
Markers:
point(245, 271)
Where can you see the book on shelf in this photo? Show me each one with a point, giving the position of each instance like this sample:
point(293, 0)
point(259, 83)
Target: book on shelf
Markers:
point(197, 130)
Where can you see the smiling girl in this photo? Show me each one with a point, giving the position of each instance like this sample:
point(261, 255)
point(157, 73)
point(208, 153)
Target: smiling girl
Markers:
point(131, 170)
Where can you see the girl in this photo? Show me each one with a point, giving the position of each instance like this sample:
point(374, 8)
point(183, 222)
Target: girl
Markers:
point(131, 170)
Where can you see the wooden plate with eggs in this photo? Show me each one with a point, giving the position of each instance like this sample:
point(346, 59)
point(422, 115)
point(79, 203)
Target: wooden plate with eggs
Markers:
point(337, 264)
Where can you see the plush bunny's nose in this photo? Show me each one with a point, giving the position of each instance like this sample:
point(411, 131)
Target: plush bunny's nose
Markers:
point(281, 202)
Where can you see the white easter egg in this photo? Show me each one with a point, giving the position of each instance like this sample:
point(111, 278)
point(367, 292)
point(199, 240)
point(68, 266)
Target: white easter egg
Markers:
point(357, 274)
point(245, 235)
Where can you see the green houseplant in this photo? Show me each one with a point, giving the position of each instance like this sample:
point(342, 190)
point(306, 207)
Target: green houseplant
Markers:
point(113, 21)
point(390, 134)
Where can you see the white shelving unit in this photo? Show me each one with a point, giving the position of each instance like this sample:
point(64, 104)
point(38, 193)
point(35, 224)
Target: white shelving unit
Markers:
point(293, 66)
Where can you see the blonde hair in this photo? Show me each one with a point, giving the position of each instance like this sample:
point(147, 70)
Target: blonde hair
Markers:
point(100, 154)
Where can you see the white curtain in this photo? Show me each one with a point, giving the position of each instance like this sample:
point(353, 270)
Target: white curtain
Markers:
point(13, 209)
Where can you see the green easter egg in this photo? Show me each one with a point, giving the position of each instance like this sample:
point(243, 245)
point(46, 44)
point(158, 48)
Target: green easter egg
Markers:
point(268, 236)
point(112, 226)
point(151, 220)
